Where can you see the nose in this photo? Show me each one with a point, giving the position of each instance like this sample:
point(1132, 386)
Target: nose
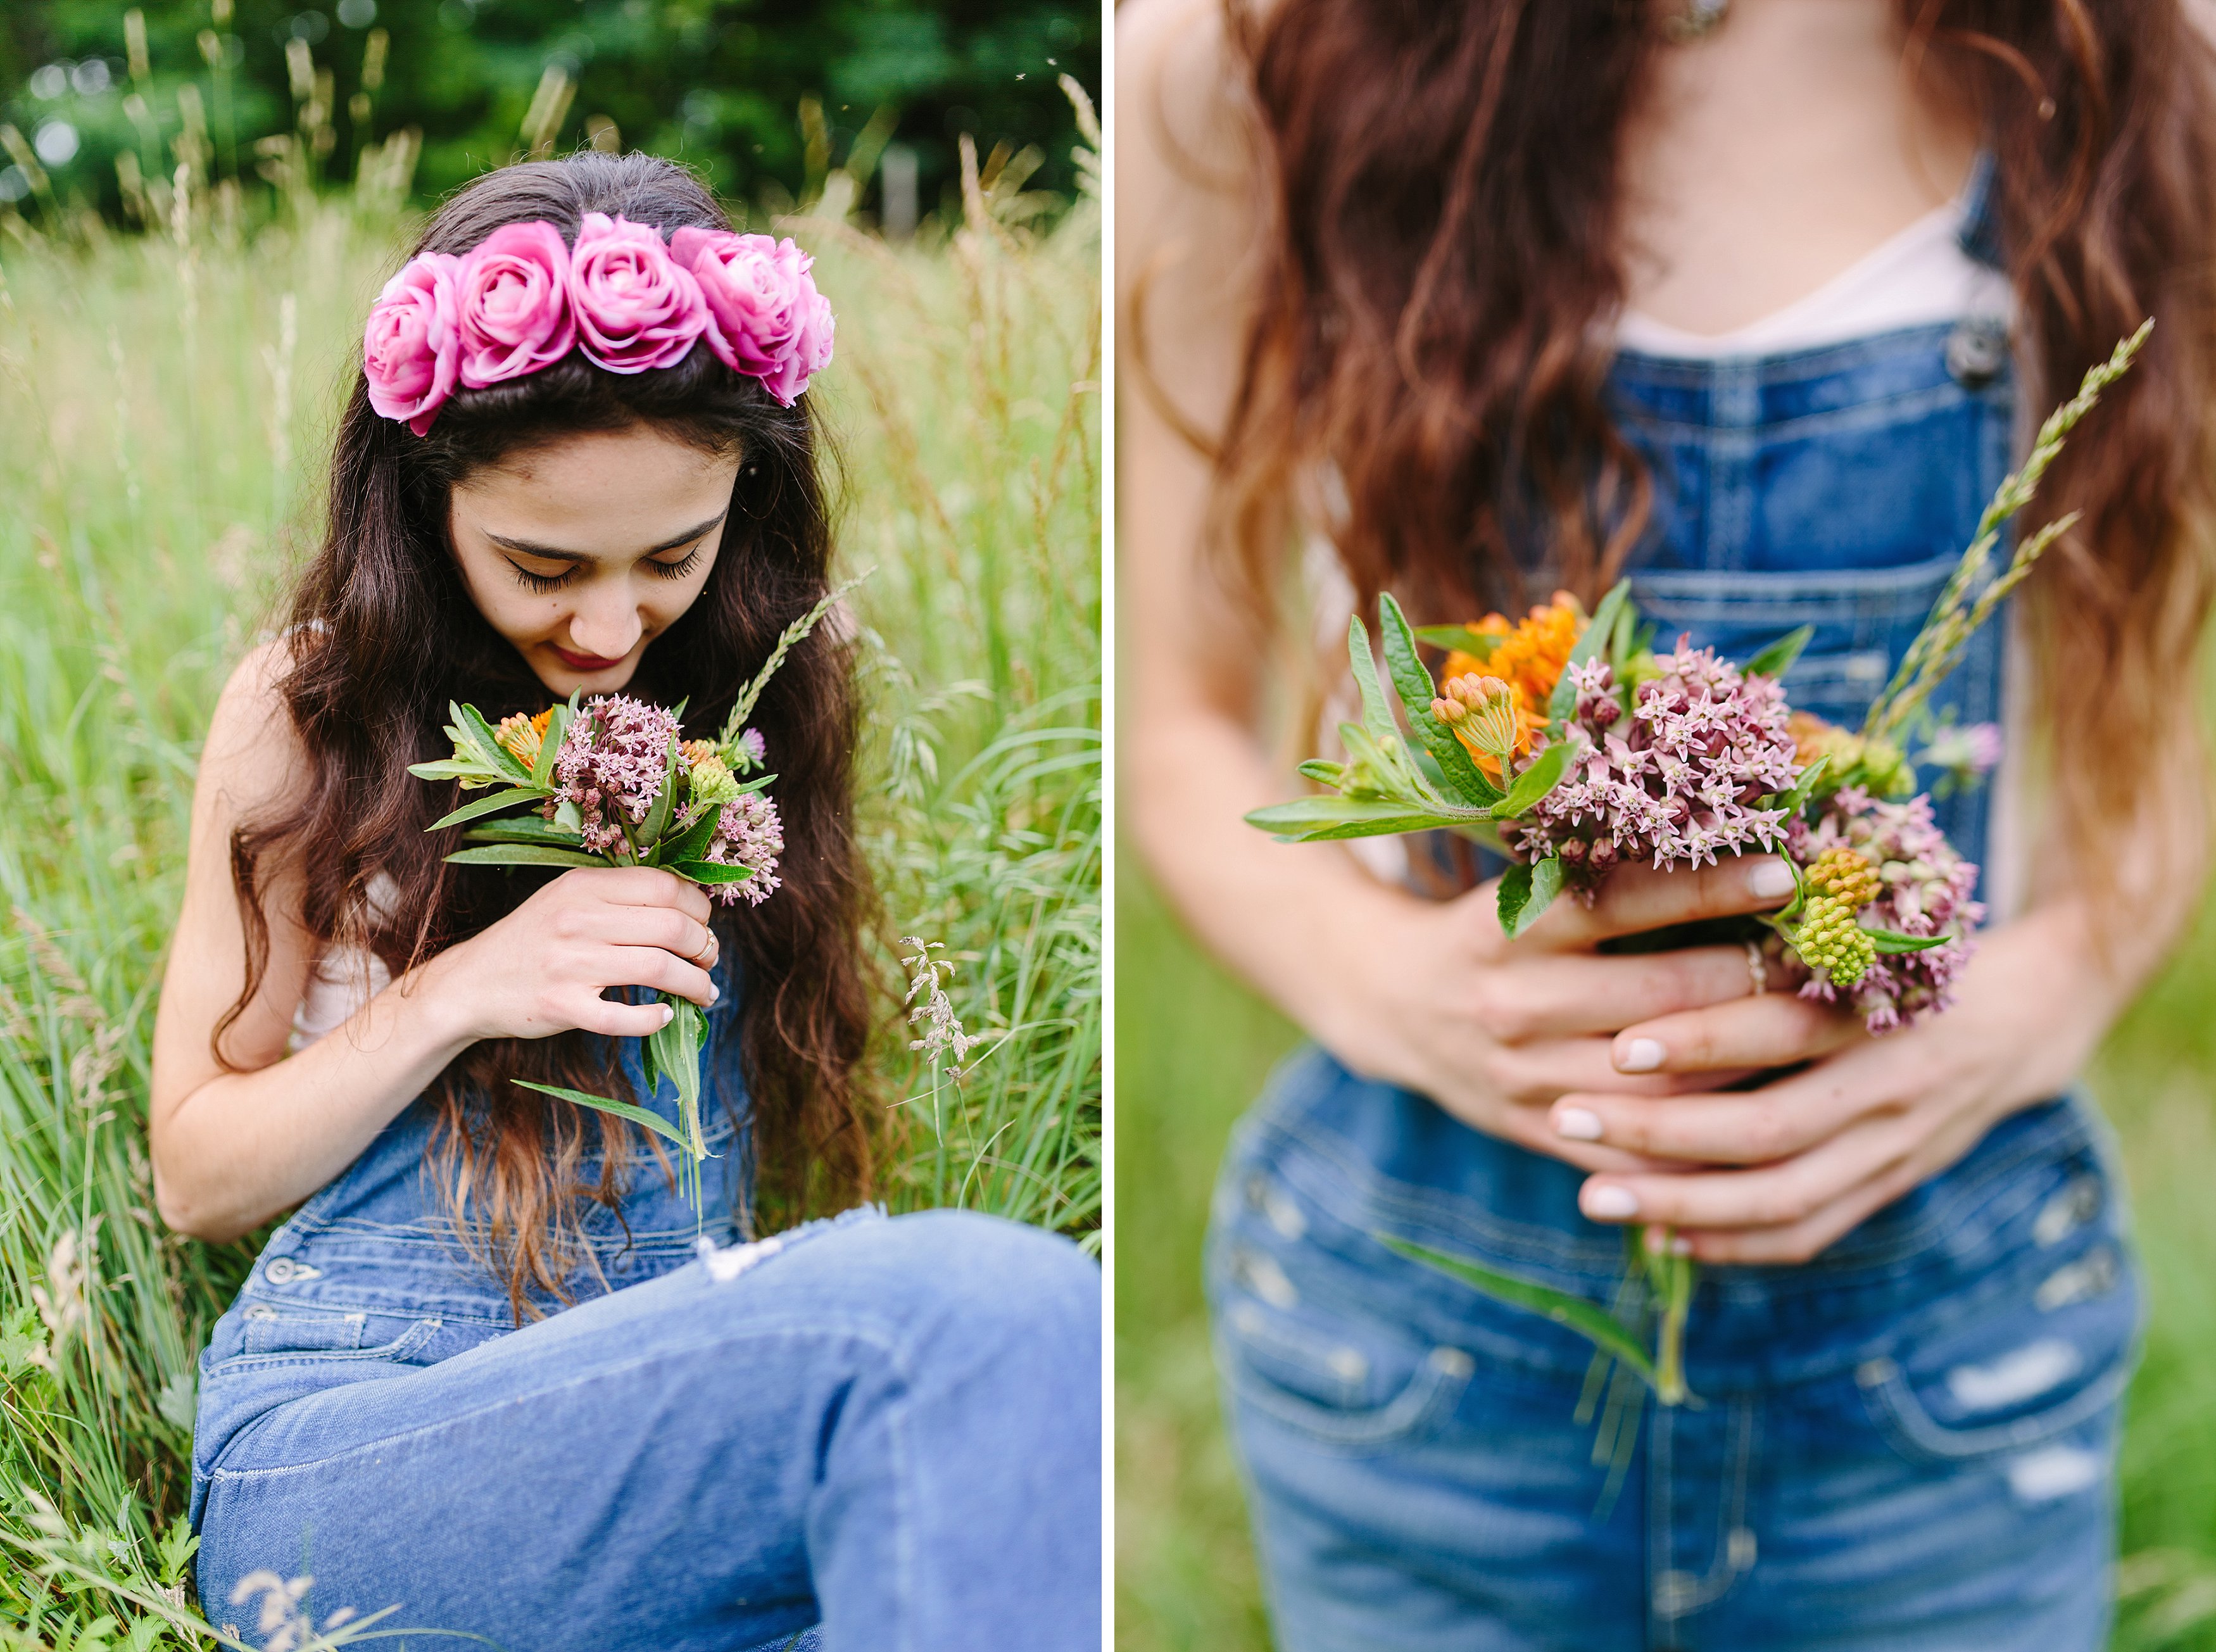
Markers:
point(607, 627)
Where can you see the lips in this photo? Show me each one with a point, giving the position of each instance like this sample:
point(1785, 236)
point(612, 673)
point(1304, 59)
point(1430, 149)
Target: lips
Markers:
point(586, 662)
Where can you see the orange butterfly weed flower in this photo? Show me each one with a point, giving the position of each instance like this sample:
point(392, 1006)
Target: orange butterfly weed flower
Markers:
point(1529, 658)
point(520, 737)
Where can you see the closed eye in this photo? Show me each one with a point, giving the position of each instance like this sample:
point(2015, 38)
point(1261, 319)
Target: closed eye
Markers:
point(676, 570)
point(541, 583)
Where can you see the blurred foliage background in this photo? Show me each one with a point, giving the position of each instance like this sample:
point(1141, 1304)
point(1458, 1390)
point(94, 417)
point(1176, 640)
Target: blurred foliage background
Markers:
point(758, 96)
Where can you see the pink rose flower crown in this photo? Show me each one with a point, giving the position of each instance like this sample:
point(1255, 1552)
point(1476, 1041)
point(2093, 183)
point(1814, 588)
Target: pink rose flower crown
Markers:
point(524, 299)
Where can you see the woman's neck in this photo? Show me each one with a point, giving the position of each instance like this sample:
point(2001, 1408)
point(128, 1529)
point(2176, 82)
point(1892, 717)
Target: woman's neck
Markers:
point(1773, 154)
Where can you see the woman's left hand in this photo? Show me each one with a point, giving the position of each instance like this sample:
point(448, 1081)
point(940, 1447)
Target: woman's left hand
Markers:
point(1868, 1120)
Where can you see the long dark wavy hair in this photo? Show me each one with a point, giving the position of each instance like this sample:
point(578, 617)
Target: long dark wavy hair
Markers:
point(1441, 191)
point(384, 635)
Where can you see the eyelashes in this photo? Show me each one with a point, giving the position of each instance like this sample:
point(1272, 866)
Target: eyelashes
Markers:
point(544, 584)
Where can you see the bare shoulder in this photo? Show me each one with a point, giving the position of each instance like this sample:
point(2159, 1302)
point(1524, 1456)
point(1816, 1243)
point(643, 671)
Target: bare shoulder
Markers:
point(1188, 202)
point(1183, 124)
point(254, 758)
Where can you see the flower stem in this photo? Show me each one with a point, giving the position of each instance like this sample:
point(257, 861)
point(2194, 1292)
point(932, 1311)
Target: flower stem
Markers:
point(1670, 1353)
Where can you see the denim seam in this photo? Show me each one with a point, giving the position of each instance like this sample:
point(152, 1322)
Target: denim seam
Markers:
point(1466, 1216)
point(1891, 409)
point(883, 1346)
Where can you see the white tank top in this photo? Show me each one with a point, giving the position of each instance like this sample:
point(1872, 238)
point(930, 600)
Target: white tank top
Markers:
point(1920, 277)
point(342, 979)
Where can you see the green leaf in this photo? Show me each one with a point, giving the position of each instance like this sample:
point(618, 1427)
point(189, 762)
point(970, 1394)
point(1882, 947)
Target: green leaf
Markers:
point(1462, 639)
point(523, 854)
point(486, 743)
point(1376, 716)
point(1526, 891)
point(1587, 1319)
point(657, 818)
point(1889, 940)
point(691, 844)
point(1414, 684)
point(523, 829)
point(1544, 774)
point(491, 805)
point(1775, 660)
point(467, 770)
point(1324, 771)
point(1316, 820)
point(1598, 632)
point(549, 747)
point(711, 871)
point(677, 1053)
point(651, 1120)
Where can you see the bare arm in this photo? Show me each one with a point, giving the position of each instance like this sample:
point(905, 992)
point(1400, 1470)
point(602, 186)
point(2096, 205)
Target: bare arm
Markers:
point(233, 1147)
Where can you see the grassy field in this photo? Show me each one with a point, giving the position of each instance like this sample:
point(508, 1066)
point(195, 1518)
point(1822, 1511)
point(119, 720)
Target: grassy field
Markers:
point(1192, 1049)
point(164, 406)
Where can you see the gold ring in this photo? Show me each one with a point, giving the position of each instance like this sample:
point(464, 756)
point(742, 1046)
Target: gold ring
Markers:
point(1757, 968)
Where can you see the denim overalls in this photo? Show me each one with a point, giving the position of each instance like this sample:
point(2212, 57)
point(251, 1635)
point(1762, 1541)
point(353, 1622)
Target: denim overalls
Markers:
point(1906, 1444)
point(866, 1431)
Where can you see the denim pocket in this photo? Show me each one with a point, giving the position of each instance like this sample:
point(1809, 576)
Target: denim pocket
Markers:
point(2032, 1367)
point(1289, 1346)
point(272, 1337)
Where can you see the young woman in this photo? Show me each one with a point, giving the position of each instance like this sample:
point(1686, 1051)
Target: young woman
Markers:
point(1753, 301)
point(479, 1376)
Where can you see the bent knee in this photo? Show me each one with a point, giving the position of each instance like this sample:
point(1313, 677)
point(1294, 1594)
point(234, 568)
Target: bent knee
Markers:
point(985, 1282)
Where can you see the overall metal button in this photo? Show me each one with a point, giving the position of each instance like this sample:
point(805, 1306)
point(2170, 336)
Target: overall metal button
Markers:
point(1977, 350)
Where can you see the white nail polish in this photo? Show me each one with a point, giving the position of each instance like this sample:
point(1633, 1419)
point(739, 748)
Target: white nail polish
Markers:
point(1643, 1055)
point(1680, 1247)
point(1578, 1124)
point(669, 1013)
point(1769, 878)
point(714, 992)
point(1612, 1203)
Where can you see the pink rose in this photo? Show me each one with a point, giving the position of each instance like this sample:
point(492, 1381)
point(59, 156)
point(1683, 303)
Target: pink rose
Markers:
point(766, 318)
point(408, 349)
point(515, 296)
point(635, 308)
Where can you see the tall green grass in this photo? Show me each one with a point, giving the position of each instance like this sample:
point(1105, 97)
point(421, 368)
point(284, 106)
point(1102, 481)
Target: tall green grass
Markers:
point(164, 404)
point(1192, 1048)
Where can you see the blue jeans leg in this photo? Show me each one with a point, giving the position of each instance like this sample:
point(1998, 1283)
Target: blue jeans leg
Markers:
point(892, 1425)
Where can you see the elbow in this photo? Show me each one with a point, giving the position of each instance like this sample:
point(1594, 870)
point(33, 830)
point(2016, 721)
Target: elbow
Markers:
point(183, 1213)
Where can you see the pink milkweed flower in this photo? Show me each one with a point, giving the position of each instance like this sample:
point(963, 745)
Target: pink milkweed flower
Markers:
point(410, 348)
point(635, 306)
point(612, 760)
point(514, 293)
point(748, 833)
point(766, 318)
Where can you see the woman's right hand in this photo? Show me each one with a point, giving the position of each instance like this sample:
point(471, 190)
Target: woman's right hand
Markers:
point(1432, 996)
point(541, 969)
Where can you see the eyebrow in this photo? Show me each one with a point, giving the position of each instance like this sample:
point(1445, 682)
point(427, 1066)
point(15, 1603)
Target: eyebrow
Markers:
point(552, 554)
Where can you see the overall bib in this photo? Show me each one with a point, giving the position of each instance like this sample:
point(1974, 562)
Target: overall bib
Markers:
point(867, 1432)
point(1905, 1445)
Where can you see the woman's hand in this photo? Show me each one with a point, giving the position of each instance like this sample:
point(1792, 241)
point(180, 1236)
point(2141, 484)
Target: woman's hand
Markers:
point(1787, 1170)
point(541, 969)
point(1432, 996)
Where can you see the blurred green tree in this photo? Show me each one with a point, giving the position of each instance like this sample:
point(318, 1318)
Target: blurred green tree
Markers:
point(761, 96)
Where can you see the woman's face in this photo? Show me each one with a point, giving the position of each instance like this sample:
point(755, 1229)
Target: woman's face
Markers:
point(583, 551)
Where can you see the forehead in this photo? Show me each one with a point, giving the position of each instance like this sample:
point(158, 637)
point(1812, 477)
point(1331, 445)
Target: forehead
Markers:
point(627, 480)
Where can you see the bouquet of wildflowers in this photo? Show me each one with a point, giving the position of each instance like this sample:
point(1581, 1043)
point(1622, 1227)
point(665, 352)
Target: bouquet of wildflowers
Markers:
point(610, 781)
point(1570, 745)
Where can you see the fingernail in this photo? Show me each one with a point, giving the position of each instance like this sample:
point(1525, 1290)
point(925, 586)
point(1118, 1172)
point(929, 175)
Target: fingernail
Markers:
point(1641, 1056)
point(1611, 1203)
point(1769, 877)
point(669, 1012)
point(1680, 1247)
point(1578, 1123)
point(714, 992)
